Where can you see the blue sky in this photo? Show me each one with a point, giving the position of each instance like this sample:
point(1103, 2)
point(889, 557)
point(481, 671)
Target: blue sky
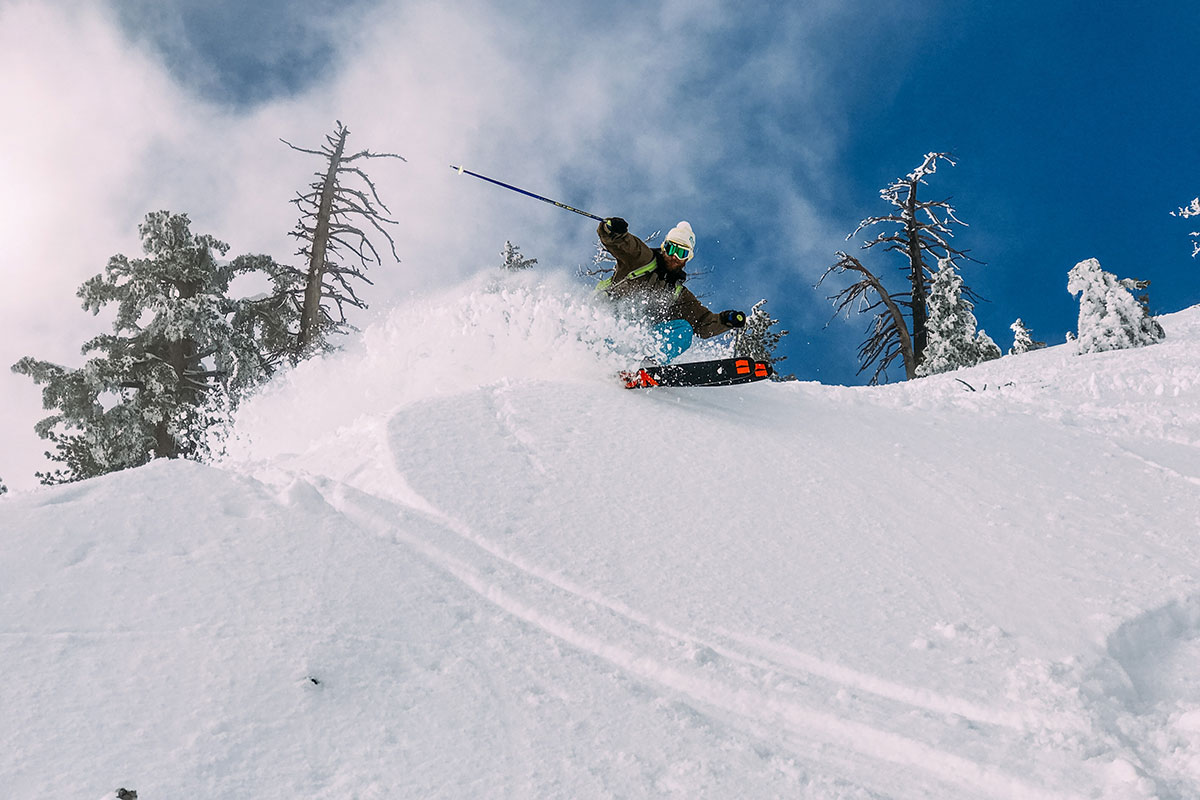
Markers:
point(1077, 134)
point(771, 127)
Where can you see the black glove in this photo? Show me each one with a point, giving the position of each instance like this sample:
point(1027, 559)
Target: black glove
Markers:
point(616, 225)
point(732, 319)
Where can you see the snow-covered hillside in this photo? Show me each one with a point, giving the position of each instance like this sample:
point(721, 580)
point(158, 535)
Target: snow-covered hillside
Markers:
point(459, 560)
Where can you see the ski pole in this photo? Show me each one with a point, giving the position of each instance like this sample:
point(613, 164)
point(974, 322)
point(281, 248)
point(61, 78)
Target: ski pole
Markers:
point(462, 171)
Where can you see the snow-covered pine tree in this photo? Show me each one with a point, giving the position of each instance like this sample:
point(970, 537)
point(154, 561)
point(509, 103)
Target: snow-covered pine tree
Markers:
point(987, 350)
point(1192, 209)
point(164, 383)
point(3, 488)
point(1110, 317)
point(953, 341)
point(513, 260)
point(757, 340)
point(1023, 339)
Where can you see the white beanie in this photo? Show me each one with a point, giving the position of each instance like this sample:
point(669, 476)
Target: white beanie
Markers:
point(682, 234)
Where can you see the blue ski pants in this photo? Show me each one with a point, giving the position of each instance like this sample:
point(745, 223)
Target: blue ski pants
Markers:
point(672, 339)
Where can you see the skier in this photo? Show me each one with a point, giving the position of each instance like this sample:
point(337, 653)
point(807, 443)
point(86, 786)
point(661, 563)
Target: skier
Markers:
point(653, 279)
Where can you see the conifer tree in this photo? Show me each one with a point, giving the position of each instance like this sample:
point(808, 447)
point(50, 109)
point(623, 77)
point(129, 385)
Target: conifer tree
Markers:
point(334, 211)
point(3, 488)
point(1023, 341)
point(1110, 317)
point(513, 260)
point(953, 340)
point(757, 340)
point(165, 381)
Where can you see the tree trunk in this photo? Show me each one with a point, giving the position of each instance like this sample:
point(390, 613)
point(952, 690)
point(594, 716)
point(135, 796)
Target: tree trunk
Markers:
point(310, 321)
point(920, 315)
point(181, 353)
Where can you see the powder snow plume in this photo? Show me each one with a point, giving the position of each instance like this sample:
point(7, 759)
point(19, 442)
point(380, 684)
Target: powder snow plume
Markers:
point(494, 327)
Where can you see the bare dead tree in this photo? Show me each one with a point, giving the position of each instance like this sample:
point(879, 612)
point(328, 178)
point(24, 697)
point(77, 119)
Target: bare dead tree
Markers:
point(920, 231)
point(331, 220)
point(888, 335)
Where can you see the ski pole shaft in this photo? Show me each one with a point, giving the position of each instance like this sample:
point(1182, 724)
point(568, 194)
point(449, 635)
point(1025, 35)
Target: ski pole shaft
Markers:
point(462, 171)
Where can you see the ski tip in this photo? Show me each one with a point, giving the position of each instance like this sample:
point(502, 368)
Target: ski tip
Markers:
point(460, 169)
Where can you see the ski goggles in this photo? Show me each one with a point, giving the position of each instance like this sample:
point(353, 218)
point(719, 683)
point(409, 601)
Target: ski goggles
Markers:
point(680, 251)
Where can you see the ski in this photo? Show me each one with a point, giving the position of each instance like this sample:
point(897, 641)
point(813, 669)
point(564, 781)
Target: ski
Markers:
point(721, 372)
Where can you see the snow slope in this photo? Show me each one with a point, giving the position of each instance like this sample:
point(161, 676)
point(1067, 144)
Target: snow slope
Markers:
point(458, 560)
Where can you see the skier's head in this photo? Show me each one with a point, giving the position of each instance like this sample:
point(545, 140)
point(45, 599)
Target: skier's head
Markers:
point(680, 242)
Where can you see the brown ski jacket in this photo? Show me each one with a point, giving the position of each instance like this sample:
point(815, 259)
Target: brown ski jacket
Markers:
point(641, 275)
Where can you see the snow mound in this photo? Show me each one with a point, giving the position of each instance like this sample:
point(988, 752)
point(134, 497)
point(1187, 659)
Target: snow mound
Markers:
point(506, 326)
point(459, 560)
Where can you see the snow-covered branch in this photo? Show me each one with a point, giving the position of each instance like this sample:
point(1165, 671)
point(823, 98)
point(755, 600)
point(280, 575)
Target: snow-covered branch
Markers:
point(929, 166)
point(1191, 210)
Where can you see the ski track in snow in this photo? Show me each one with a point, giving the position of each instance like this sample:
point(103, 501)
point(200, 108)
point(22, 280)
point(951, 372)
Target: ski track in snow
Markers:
point(773, 691)
point(767, 697)
point(1158, 465)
